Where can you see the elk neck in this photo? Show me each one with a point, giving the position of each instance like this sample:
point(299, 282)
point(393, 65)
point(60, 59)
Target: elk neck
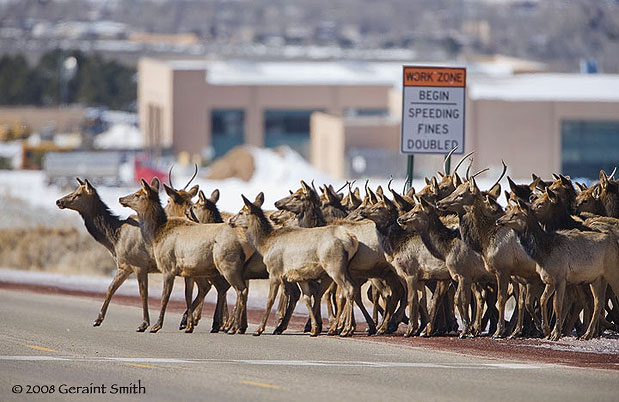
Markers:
point(151, 220)
point(311, 217)
point(258, 230)
point(438, 237)
point(535, 241)
point(102, 224)
point(392, 236)
point(561, 219)
point(478, 226)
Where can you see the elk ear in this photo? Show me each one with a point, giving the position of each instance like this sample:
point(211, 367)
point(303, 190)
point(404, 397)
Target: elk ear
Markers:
point(565, 181)
point(507, 198)
point(411, 192)
point(214, 196)
point(495, 191)
point(89, 188)
point(388, 203)
point(259, 199)
point(170, 191)
point(247, 203)
point(456, 180)
point(357, 193)
point(379, 191)
point(434, 185)
point(81, 183)
point(425, 204)
point(306, 189)
point(427, 181)
point(556, 176)
point(194, 190)
point(145, 186)
point(596, 192)
point(473, 186)
point(551, 195)
point(201, 197)
point(154, 184)
point(512, 185)
point(441, 174)
point(603, 180)
point(523, 205)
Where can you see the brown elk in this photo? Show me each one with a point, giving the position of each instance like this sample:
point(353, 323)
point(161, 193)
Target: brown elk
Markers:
point(300, 255)
point(123, 240)
point(502, 253)
point(188, 249)
point(566, 257)
point(464, 264)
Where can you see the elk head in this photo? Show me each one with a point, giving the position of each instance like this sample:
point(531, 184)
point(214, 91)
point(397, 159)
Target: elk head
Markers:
point(300, 200)
point(418, 218)
point(383, 213)
point(82, 200)
point(517, 217)
point(143, 199)
point(589, 201)
point(205, 209)
point(465, 194)
point(242, 219)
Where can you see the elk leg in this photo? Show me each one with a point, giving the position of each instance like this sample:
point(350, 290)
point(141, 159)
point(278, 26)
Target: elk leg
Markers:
point(330, 296)
point(119, 278)
point(463, 301)
point(368, 318)
point(558, 308)
point(203, 287)
point(502, 283)
point(307, 292)
point(521, 310)
point(437, 296)
point(533, 292)
point(413, 307)
point(273, 288)
point(188, 295)
point(142, 276)
point(597, 289)
point(548, 290)
point(168, 284)
point(401, 298)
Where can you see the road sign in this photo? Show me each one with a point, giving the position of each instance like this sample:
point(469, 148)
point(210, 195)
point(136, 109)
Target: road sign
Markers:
point(433, 109)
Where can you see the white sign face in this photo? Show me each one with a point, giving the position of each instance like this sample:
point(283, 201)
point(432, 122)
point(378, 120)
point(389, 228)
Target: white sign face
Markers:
point(433, 110)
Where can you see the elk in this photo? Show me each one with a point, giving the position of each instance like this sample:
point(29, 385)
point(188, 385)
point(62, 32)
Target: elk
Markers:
point(566, 257)
point(300, 255)
point(123, 240)
point(502, 253)
point(464, 264)
point(188, 249)
point(304, 204)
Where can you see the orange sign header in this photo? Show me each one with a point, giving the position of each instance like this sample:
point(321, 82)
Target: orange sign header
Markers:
point(434, 77)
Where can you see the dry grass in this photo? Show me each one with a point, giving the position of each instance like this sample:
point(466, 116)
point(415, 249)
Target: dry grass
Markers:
point(65, 249)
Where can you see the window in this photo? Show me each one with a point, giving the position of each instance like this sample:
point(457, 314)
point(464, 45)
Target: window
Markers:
point(365, 112)
point(288, 127)
point(589, 146)
point(227, 127)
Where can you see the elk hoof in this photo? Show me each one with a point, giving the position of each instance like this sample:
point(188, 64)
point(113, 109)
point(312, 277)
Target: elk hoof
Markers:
point(97, 323)
point(231, 331)
point(371, 331)
point(242, 331)
point(278, 331)
point(142, 327)
point(155, 328)
point(214, 330)
point(188, 330)
point(256, 333)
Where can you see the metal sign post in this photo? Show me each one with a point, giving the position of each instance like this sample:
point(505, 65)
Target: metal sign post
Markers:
point(433, 108)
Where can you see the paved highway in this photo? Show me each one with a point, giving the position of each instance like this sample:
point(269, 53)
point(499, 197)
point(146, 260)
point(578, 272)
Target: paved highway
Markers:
point(48, 340)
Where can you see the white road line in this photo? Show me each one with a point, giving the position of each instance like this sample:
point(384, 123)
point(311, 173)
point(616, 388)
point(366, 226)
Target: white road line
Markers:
point(322, 363)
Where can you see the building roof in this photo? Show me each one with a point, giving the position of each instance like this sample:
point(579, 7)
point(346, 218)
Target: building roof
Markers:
point(486, 79)
point(547, 87)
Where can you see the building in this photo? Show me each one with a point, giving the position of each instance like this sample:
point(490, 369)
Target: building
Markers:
point(207, 107)
point(345, 116)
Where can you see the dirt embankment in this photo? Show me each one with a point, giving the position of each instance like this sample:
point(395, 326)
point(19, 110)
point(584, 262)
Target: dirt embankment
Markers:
point(238, 162)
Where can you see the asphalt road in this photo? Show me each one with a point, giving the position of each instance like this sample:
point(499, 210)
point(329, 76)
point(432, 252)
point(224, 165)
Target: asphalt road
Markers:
point(48, 340)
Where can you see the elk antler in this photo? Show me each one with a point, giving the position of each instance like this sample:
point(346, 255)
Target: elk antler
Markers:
point(389, 184)
point(613, 173)
point(462, 160)
point(502, 174)
point(195, 173)
point(468, 169)
point(480, 172)
point(170, 176)
point(447, 157)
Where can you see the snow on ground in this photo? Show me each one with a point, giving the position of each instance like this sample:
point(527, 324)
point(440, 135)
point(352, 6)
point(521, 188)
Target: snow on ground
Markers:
point(276, 173)
point(120, 136)
point(607, 344)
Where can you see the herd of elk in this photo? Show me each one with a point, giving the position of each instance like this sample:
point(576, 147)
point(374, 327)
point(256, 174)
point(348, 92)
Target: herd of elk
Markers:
point(426, 255)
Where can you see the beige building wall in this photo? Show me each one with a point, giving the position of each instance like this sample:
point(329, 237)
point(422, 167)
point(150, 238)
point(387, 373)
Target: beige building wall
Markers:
point(65, 119)
point(175, 104)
